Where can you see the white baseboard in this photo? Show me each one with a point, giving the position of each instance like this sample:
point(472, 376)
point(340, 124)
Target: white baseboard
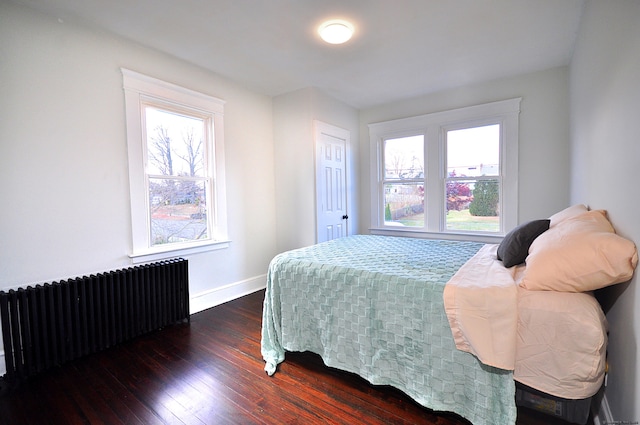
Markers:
point(602, 414)
point(223, 294)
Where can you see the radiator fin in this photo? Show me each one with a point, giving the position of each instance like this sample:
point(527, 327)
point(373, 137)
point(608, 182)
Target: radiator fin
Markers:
point(48, 325)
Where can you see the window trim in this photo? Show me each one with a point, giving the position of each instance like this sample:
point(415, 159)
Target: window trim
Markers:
point(434, 126)
point(141, 90)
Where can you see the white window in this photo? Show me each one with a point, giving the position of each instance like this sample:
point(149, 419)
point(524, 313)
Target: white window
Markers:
point(451, 174)
point(176, 168)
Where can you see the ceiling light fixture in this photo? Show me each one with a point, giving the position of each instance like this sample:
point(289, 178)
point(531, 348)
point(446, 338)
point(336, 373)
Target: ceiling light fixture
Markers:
point(336, 31)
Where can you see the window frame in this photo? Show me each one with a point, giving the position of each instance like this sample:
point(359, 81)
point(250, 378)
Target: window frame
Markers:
point(142, 91)
point(434, 127)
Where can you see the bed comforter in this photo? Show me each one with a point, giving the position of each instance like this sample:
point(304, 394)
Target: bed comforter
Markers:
point(373, 305)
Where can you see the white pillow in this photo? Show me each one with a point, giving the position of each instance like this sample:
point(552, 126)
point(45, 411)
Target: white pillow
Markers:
point(567, 213)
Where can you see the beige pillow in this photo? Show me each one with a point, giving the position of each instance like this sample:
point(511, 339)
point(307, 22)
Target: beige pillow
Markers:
point(567, 213)
point(579, 254)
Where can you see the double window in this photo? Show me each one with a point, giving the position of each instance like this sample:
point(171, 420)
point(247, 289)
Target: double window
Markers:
point(452, 172)
point(176, 168)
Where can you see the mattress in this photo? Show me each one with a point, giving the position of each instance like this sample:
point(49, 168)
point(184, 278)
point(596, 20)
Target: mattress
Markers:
point(373, 305)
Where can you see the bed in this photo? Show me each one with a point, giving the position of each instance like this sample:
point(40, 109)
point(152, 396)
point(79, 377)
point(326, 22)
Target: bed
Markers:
point(375, 306)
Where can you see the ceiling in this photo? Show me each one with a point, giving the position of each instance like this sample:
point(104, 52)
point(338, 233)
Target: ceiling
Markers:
point(401, 48)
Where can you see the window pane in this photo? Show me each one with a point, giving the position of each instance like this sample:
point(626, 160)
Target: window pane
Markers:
point(404, 158)
point(473, 205)
point(404, 205)
point(174, 143)
point(178, 211)
point(474, 151)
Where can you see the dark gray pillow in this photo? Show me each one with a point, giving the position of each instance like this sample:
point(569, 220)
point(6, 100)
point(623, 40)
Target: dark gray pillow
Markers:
point(514, 248)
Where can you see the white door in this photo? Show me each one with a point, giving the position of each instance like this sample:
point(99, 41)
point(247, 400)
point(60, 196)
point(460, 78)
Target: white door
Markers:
point(331, 181)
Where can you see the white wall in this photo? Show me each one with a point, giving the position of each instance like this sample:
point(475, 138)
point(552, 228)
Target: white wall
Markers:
point(543, 144)
point(64, 190)
point(294, 114)
point(605, 146)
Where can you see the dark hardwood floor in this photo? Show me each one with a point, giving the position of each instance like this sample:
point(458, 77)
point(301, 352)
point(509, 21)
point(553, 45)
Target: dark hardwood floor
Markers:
point(211, 372)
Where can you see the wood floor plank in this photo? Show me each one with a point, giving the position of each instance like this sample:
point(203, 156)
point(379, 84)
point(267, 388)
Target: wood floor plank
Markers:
point(210, 371)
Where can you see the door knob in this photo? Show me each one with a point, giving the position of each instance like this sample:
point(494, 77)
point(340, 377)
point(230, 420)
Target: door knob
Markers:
point(345, 217)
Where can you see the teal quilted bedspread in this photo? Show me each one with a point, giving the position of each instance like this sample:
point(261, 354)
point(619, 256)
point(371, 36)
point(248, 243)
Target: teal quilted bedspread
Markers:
point(372, 305)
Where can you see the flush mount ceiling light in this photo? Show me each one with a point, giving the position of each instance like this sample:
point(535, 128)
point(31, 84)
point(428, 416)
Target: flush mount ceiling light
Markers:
point(336, 31)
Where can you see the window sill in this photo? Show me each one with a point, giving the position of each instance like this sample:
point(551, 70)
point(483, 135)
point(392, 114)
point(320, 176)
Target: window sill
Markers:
point(412, 233)
point(164, 252)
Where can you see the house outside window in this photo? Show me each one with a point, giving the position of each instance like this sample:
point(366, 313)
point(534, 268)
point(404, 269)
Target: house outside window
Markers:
point(176, 168)
point(449, 174)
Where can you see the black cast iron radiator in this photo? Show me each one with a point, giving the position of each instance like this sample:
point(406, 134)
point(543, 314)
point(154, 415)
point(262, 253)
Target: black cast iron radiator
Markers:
point(57, 322)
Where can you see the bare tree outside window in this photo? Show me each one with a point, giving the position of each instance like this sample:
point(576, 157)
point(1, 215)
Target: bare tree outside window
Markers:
point(175, 170)
point(160, 151)
point(193, 148)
